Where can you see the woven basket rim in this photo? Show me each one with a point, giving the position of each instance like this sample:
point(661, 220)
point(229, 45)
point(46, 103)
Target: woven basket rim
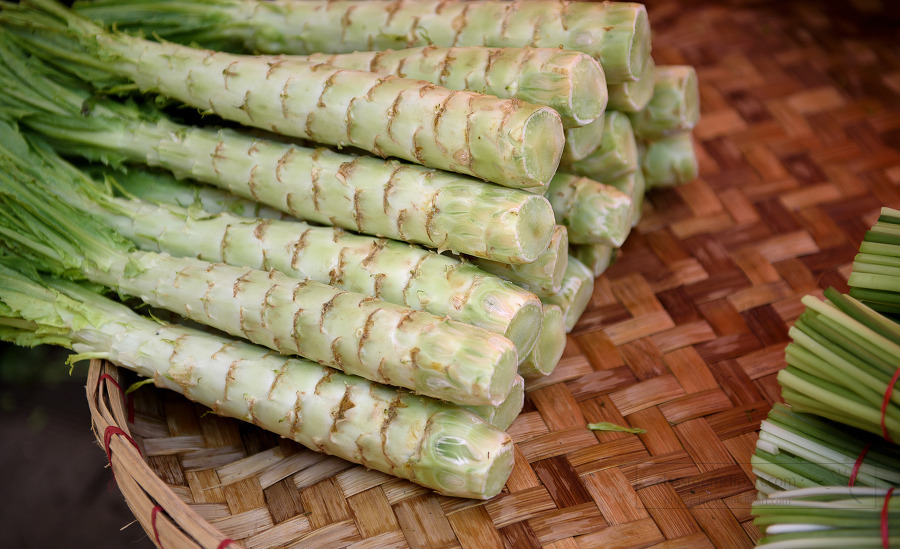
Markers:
point(167, 519)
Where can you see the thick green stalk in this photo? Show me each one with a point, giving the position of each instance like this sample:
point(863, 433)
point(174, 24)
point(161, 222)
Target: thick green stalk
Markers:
point(617, 34)
point(635, 186)
point(429, 442)
point(542, 277)
point(571, 83)
point(577, 288)
point(596, 257)
point(632, 97)
point(389, 270)
point(675, 106)
point(670, 161)
point(544, 357)
point(501, 140)
point(593, 213)
point(616, 156)
point(580, 142)
point(353, 332)
point(364, 194)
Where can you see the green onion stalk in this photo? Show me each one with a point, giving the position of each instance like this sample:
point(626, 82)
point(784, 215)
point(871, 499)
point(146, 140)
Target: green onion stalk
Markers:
point(616, 34)
point(875, 279)
point(353, 332)
point(433, 443)
point(842, 365)
point(829, 517)
point(362, 194)
point(797, 450)
point(505, 141)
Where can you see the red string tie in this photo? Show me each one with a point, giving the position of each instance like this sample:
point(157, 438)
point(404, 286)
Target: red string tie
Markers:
point(858, 464)
point(225, 543)
point(884, 405)
point(153, 513)
point(107, 437)
point(129, 401)
point(885, 538)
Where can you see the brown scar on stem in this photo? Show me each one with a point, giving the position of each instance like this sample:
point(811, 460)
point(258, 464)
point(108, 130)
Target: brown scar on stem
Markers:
point(336, 275)
point(326, 379)
point(390, 415)
point(345, 405)
point(217, 155)
point(367, 328)
point(228, 73)
point(432, 211)
point(388, 187)
point(379, 281)
point(326, 308)
point(435, 124)
point(414, 273)
point(297, 248)
point(376, 249)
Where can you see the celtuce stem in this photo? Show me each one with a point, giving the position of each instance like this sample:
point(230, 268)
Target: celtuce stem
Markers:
point(427, 441)
point(353, 332)
point(582, 141)
point(571, 83)
point(596, 257)
point(632, 97)
point(669, 161)
point(616, 156)
point(577, 288)
point(389, 270)
point(617, 34)
point(675, 106)
point(593, 213)
point(364, 194)
point(500, 140)
point(550, 345)
point(542, 277)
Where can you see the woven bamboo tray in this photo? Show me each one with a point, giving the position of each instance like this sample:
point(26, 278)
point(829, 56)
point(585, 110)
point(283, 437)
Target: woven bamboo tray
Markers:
point(798, 149)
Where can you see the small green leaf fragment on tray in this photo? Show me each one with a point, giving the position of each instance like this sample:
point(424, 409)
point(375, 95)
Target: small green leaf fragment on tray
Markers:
point(605, 426)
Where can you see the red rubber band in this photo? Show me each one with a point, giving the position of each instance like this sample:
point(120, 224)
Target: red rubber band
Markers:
point(225, 543)
point(129, 401)
point(107, 437)
point(885, 538)
point(156, 509)
point(858, 464)
point(884, 405)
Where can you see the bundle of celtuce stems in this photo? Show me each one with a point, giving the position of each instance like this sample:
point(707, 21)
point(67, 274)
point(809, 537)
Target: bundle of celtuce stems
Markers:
point(421, 204)
point(833, 446)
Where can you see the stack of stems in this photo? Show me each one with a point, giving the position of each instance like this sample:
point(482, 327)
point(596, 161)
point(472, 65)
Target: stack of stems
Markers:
point(353, 332)
point(505, 141)
point(617, 34)
point(389, 270)
point(364, 194)
point(435, 444)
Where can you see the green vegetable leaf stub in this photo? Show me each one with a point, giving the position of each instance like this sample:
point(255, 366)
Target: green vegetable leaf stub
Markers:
point(606, 426)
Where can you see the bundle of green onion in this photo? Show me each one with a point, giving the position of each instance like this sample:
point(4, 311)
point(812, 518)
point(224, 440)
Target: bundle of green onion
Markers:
point(876, 269)
point(832, 516)
point(842, 365)
point(797, 450)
